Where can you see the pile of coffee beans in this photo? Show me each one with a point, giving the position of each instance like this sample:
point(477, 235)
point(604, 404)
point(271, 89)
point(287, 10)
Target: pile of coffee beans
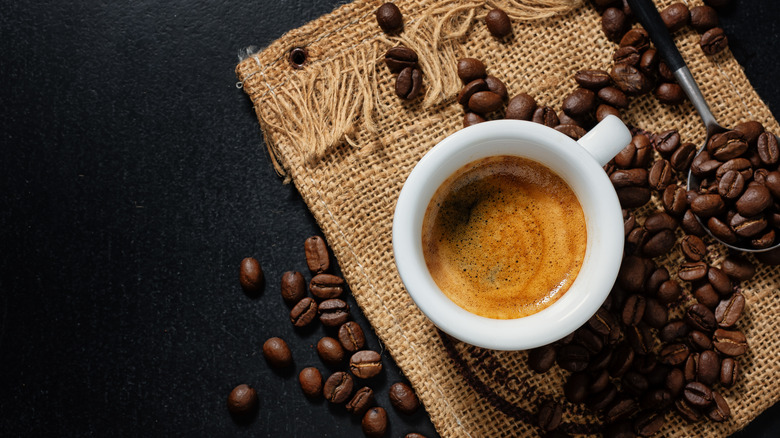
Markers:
point(481, 94)
point(344, 351)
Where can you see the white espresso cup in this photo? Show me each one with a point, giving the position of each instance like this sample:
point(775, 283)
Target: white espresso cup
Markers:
point(579, 163)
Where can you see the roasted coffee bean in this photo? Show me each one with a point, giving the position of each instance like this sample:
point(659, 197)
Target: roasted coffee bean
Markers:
point(675, 16)
point(622, 359)
point(759, 177)
point(403, 398)
point(750, 131)
point(674, 330)
point(242, 400)
point(588, 339)
point(632, 274)
point(566, 120)
point(648, 63)
point(351, 336)
point(592, 79)
point(727, 145)
point(317, 257)
point(326, 286)
point(691, 225)
point(636, 154)
point(338, 387)
point(541, 359)
point(602, 322)
point(630, 79)
point(699, 317)
point(310, 379)
point(495, 85)
point(729, 372)
point(674, 354)
point(389, 17)
point(693, 248)
point(640, 338)
point(573, 357)
point(731, 185)
point(656, 314)
point(614, 23)
point(629, 220)
point(729, 342)
point(469, 89)
point(470, 69)
point(330, 351)
point(773, 184)
point(741, 165)
point(763, 241)
point(709, 205)
point(400, 57)
point(636, 37)
point(627, 55)
point(472, 119)
point(705, 294)
point(754, 200)
point(703, 18)
point(636, 240)
point(601, 361)
point(738, 267)
point(697, 394)
point(633, 310)
point(667, 142)
point(293, 287)
point(670, 94)
point(365, 364)
point(613, 97)
point(251, 276)
point(483, 102)
point(721, 230)
point(621, 429)
point(621, 409)
point(687, 411)
point(546, 116)
point(549, 416)
point(692, 271)
point(579, 103)
point(720, 410)
point(602, 399)
point(628, 177)
point(664, 72)
point(674, 200)
point(704, 165)
point(669, 292)
point(574, 132)
point(303, 313)
point(708, 367)
point(599, 381)
point(648, 423)
point(675, 381)
point(683, 157)
point(768, 150)
point(361, 401)
point(498, 23)
point(634, 383)
point(277, 353)
point(603, 110)
point(521, 107)
point(659, 243)
point(720, 281)
point(408, 84)
point(333, 312)
point(375, 422)
point(713, 41)
point(576, 387)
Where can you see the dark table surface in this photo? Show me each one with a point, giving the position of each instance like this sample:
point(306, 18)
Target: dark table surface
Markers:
point(133, 180)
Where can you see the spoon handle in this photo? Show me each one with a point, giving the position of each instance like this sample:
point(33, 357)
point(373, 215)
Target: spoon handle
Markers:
point(648, 15)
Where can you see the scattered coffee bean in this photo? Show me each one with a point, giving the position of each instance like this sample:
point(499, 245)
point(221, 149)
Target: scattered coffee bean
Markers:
point(549, 416)
point(705, 294)
point(293, 287)
point(521, 107)
point(242, 400)
point(338, 387)
point(399, 58)
point(573, 131)
point(692, 271)
point(498, 23)
point(541, 359)
point(365, 364)
point(622, 359)
point(408, 84)
point(579, 103)
point(687, 411)
point(621, 409)
point(614, 23)
point(472, 119)
point(361, 401)
point(738, 267)
point(403, 398)
point(317, 257)
point(351, 336)
point(648, 63)
point(720, 410)
point(545, 116)
point(303, 313)
point(484, 102)
point(708, 367)
point(497, 86)
point(703, 18)
point(630, 79)
point(326, 286)
point(602, 399)
point(592, 79)
point(573, 357)
point(330, 351)
point(311, 382)
point(713, 41)
point(251, 276)
point(699, 317)
point(675, 381)
point(333, 312)
point(277, 353)
point(637, 38)
point(675, 16)
point(613, 96)
point(603, 110)
point(470, 69)
point(389, 17)
point(729, 372)
point(375, 422)
point(768, 149)
point(633, 310)
point(576, 387)
point(729, 342)
point(667, 142)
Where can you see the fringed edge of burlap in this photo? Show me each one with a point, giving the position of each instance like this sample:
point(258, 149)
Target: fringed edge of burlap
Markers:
point(322, 105)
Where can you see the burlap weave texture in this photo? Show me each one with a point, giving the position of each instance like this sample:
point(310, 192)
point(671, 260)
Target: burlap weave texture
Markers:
point(339, 133)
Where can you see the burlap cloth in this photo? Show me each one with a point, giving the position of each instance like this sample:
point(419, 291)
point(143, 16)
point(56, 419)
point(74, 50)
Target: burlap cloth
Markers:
point(336, 129)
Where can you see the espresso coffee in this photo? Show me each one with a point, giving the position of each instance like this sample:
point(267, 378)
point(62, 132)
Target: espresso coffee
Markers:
point(504, 237)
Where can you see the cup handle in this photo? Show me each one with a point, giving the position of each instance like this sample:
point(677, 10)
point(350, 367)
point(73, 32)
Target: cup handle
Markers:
point(606, 139)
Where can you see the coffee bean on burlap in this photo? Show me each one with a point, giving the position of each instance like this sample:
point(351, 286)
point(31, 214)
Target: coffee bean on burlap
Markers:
point(573, 357)
point(637, 154)
point(630, 79)
point(589, 339)
point(403, 398)
point(693, 248)
point(303, 313)
point(602, 322)
point(408, 84)
point(636, 37)
point(697, 394)
point(633, 310)
point(470, 119)
point(738, 267)
point(674, 200)
point(634, 383)
point(333, 312)
point(251, 276)
point(720, 281)
point(242, 400)
point(592, 79)
point(729, 372)
point(277, 353)
point(521, 107)
point(293, 287)
point(602, 399)
point(708, 367)
point(660, 175)
point(613, 96)
point(361, 401)
point(470, 69)
point(699, 340)
point(670, 94)
point(626, 55)
point(692, 271)
point(541, 359)
point(689, 412)
point(721, 230)
point(675, 381)
point(338, 387)
point(317, 257)
point(497, 86)
point(330, 351)
point(648, 62)
point(389, 17)
point(375, 422)
point(351, 336)
point(699, 317)
point(549, 416)
point(648, 423)
point(713, 41)
point(703, 18)
point(469, 89)
point(579, 103)
point(545, 116)
point(709, 205)
point(656, 315)
point(675, 16)
point(656, 278)
point(574, 132)
point(310, 380)
point(399, 57)
point(614, 23)
point(669, 292)
point(628, 177)
point(719, 411)
point(483, 102)
point(705, 294)
point(622, 359)
point(603, 110)
point(674, 354)
point(621, 409)
point(576, 387)
point(729, 342)
point(632, 274)
point(498, 23)
point(667, 142)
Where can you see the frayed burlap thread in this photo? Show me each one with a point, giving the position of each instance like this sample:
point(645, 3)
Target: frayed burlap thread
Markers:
point(336, 130)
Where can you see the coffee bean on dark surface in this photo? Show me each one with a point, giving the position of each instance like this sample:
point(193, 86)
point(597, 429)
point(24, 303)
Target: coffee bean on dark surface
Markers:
point(549, 416)
point(768, 149)
point(365, 364)
point(317, 257)
point(403, 398)
point(400, 57)
point(242, 400)
point(351, 336)
point(675, 16)
point(408, 84)
point(326, 286)
point(498, 23)
point(703, 18)
point(541, 359)
point(545, 116)
point(330, 351)
point(713, 41)
point(484, 102)
point(389, 17)
point(614, 23)
point(375, 422)
point(338, 387)
point(293, 287)
point(277, 353)
point(361, 401)
point(738, 267)
point(521, 107)
point(303, 313)
point(729, 342)
point(470, 69)
point(310, 380)
point(250, 275)
point(333, 312)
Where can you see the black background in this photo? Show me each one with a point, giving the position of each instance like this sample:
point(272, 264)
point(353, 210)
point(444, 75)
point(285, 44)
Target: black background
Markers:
point(133, 181)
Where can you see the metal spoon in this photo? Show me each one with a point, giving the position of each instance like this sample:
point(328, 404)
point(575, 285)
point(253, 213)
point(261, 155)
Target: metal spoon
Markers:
point(648, 15)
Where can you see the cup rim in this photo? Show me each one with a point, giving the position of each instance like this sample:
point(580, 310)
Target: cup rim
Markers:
point(585, 295)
